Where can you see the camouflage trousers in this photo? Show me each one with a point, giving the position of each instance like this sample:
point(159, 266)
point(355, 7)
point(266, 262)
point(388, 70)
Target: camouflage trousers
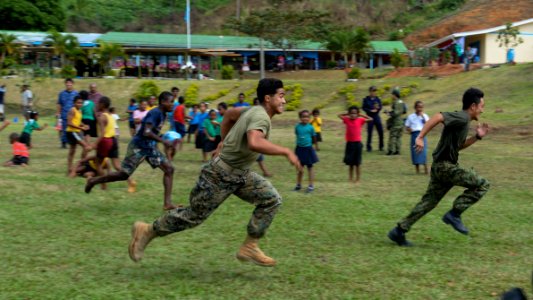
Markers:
point(216, 183)
point(395, 139)
point(444, 176)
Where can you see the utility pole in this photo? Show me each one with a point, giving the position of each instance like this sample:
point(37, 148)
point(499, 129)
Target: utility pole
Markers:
point(238, 14)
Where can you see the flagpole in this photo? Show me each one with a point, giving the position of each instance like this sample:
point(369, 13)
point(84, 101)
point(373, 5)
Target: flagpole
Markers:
point(188, 16)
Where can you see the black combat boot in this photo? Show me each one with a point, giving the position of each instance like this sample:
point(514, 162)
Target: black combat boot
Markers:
point(454, 220)
point(397, 235)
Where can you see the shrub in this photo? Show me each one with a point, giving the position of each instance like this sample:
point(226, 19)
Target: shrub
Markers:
point(355, 73)
point(146, 89)
point(216, 96)
point(450, 4)
point(404, 92)
point(191, 95)
point(294, 98)
point(227, 72)
point(387, 87)
point(413, 85)
point(68, 72)
point(397, 59)
point(385, 102)
point(331, 64)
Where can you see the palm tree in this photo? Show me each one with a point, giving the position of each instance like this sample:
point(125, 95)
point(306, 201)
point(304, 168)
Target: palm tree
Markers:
point(106, 52)
point(65, 45)
point(339, 41)
point(8, 46)
point(359, 42)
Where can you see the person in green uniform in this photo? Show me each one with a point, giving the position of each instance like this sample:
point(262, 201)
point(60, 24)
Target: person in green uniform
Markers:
point(445, 170)
point(244, 133)
point(395, 123)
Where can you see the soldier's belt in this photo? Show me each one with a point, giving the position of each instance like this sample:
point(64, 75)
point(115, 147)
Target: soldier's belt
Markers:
point(221, 164)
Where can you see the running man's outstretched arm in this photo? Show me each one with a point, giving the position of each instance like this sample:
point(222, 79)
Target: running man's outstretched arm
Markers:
point(481, 131)
point(258, 143)
point(430, 124)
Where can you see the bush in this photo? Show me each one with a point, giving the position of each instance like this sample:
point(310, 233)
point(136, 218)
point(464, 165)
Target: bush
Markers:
point(404, 92)
point(397, 59)
point(355, 73)
point(387, 87)
point(216, 96)
point(68, 72)
point(191, 95)
point(450, 4)
point(414, 85)
point(331, 64)
point(294, 98)
point(227, 72)
point(146, 89)
point(385, 102)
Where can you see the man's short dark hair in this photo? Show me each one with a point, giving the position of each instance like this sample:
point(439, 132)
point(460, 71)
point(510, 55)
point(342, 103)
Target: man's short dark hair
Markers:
point(241, 94)
point(472, 96)
point(77, 97)
point(268, 86)
point(69, 79)
point(105, 101)
point(132, 100)
point(181, 99)
point(372, 88)
point(33, 114)
point(175, 89)
point(165, 96)
point(223, 105)
point(84, 94)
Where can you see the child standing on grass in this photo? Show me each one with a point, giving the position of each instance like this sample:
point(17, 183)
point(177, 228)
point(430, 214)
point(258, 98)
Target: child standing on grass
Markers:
point(21, 155)
point(305, 138)
point(117, 119)
point(414, 124)
point(75, 130)
point(212, 133)
point(30, 126)
point(317, 125)
point(354, 122)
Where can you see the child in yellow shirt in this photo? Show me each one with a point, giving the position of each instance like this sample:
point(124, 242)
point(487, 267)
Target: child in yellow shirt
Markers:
point(317, 125)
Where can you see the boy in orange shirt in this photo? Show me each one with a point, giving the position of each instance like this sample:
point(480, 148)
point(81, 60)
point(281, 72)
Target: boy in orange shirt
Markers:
point(21, 155)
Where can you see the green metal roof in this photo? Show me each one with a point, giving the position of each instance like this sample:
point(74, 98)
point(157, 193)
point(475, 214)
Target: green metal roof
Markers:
point(388, 46)
point(197, 41)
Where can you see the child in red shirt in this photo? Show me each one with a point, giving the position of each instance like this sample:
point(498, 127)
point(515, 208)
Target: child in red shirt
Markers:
point(21, 155)
point(354, 122)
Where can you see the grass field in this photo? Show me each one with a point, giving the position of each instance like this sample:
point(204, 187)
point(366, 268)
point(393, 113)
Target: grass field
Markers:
point(59, 243)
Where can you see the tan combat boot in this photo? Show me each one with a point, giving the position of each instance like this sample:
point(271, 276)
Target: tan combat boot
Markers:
point(250, 252)
point(141, 234)
point(132, 186)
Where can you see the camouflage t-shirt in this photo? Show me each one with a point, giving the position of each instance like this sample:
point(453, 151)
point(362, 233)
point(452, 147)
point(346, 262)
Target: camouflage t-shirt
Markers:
point(456, 125)
point(235, 151)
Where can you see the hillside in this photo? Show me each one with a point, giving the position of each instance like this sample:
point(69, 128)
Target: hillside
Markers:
point(380, 17)
point(475, 15)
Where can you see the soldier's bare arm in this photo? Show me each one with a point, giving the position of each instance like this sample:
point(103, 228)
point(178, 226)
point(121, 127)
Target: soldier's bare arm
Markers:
point(258, 143)
point(430, 124)
point(481, 131)
point(230, 118)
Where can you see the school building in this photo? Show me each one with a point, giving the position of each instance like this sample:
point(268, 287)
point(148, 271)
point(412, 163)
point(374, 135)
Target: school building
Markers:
point(486, 45)
point(164, 55)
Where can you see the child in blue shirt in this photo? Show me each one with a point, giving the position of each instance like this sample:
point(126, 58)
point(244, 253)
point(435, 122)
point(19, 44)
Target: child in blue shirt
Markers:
point(305, 138)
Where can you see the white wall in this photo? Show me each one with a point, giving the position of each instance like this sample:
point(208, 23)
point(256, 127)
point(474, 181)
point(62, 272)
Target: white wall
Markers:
point(493, 54)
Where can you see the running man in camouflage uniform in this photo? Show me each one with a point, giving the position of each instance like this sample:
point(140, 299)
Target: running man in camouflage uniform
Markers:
point(244, 132)
point(396, 122)
point(445, 171)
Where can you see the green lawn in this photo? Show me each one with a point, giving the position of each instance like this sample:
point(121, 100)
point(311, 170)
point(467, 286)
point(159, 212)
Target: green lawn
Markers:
point(60, 243)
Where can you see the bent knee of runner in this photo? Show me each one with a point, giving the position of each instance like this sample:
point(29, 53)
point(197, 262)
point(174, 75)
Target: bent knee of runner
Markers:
point(484, 185)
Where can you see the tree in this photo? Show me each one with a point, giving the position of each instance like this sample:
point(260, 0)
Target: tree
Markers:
point(8, 46)
point(508, 38)
point(359, 42)
point(32, 15)
point(345, 41)
point(65, 46)
point(106, 52)
point(397, 59)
